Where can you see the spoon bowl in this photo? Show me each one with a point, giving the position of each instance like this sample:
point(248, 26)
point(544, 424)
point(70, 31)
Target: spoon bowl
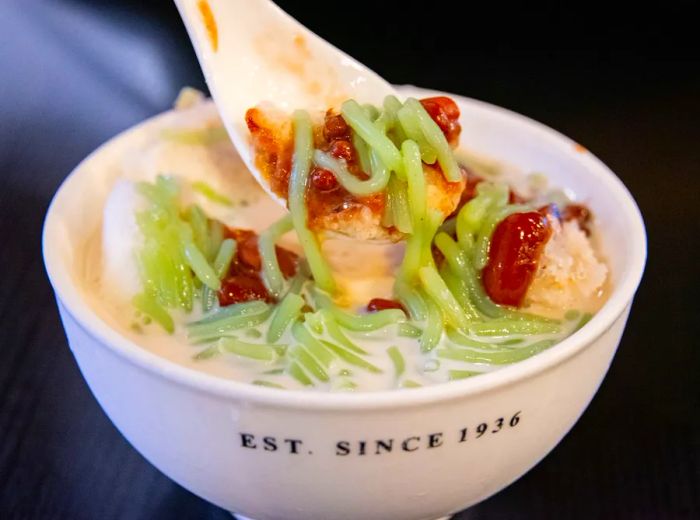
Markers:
point(253, 52)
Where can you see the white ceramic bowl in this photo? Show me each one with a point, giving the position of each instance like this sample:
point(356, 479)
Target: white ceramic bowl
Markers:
point(408, 454)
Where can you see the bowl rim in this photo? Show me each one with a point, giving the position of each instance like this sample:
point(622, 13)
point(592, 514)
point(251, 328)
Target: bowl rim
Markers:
point(68, 296)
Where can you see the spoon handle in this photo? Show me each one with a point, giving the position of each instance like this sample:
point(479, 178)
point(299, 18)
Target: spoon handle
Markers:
point(252, 52)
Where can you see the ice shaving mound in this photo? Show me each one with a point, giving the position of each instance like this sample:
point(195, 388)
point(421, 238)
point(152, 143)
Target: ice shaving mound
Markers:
point(569, 275)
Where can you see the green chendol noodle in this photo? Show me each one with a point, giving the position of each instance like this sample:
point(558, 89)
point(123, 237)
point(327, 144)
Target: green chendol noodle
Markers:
point(411, 299)
point(258, 351)
point(347, 180)
point(458, 288)
point(500, 357)
point(295, 370)
point(237, 309)
point(199, 265)
point(435, 288)
point(271, 273)
point(371, 134)
point(301, 166)
point(455, 375)
point(211, 194)
point(412, 130)
point(174, 256)
point(351, 357)
point(400, 213)
point(307, 362)
point(200, 228)
point(313, 346)
point(287, 312)
point(222, 262)
point(269, 384)
point(359, 322)
point(370, 111)
point(148, 305)
point(436, 139)
point(417, 198)
point(408, 330)
point(432, 332)
point(397, 359)
point(459, 339)
point(210, 332)
point(362, 153)
point(336, 333)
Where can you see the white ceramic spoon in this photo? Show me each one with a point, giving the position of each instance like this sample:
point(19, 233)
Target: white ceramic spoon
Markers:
point(251, 52)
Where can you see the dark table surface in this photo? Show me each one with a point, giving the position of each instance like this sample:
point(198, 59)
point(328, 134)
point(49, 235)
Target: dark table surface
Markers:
point(627, 86)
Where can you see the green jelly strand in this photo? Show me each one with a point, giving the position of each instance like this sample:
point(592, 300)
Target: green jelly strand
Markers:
point(271, 273)
point(301, 165)
point(288, 311)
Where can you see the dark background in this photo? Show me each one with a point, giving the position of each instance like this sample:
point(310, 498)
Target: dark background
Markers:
point(625, 84)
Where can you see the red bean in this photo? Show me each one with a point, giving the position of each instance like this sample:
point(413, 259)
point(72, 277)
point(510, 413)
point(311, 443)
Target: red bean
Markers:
point(335, 127)
point(249, 254)
point(238, 288)
point(287, 260)
point(342, 149)
point(514, 253)
point(445, 112)
point(242, 282)
point(323, 180)
point(380, 304)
